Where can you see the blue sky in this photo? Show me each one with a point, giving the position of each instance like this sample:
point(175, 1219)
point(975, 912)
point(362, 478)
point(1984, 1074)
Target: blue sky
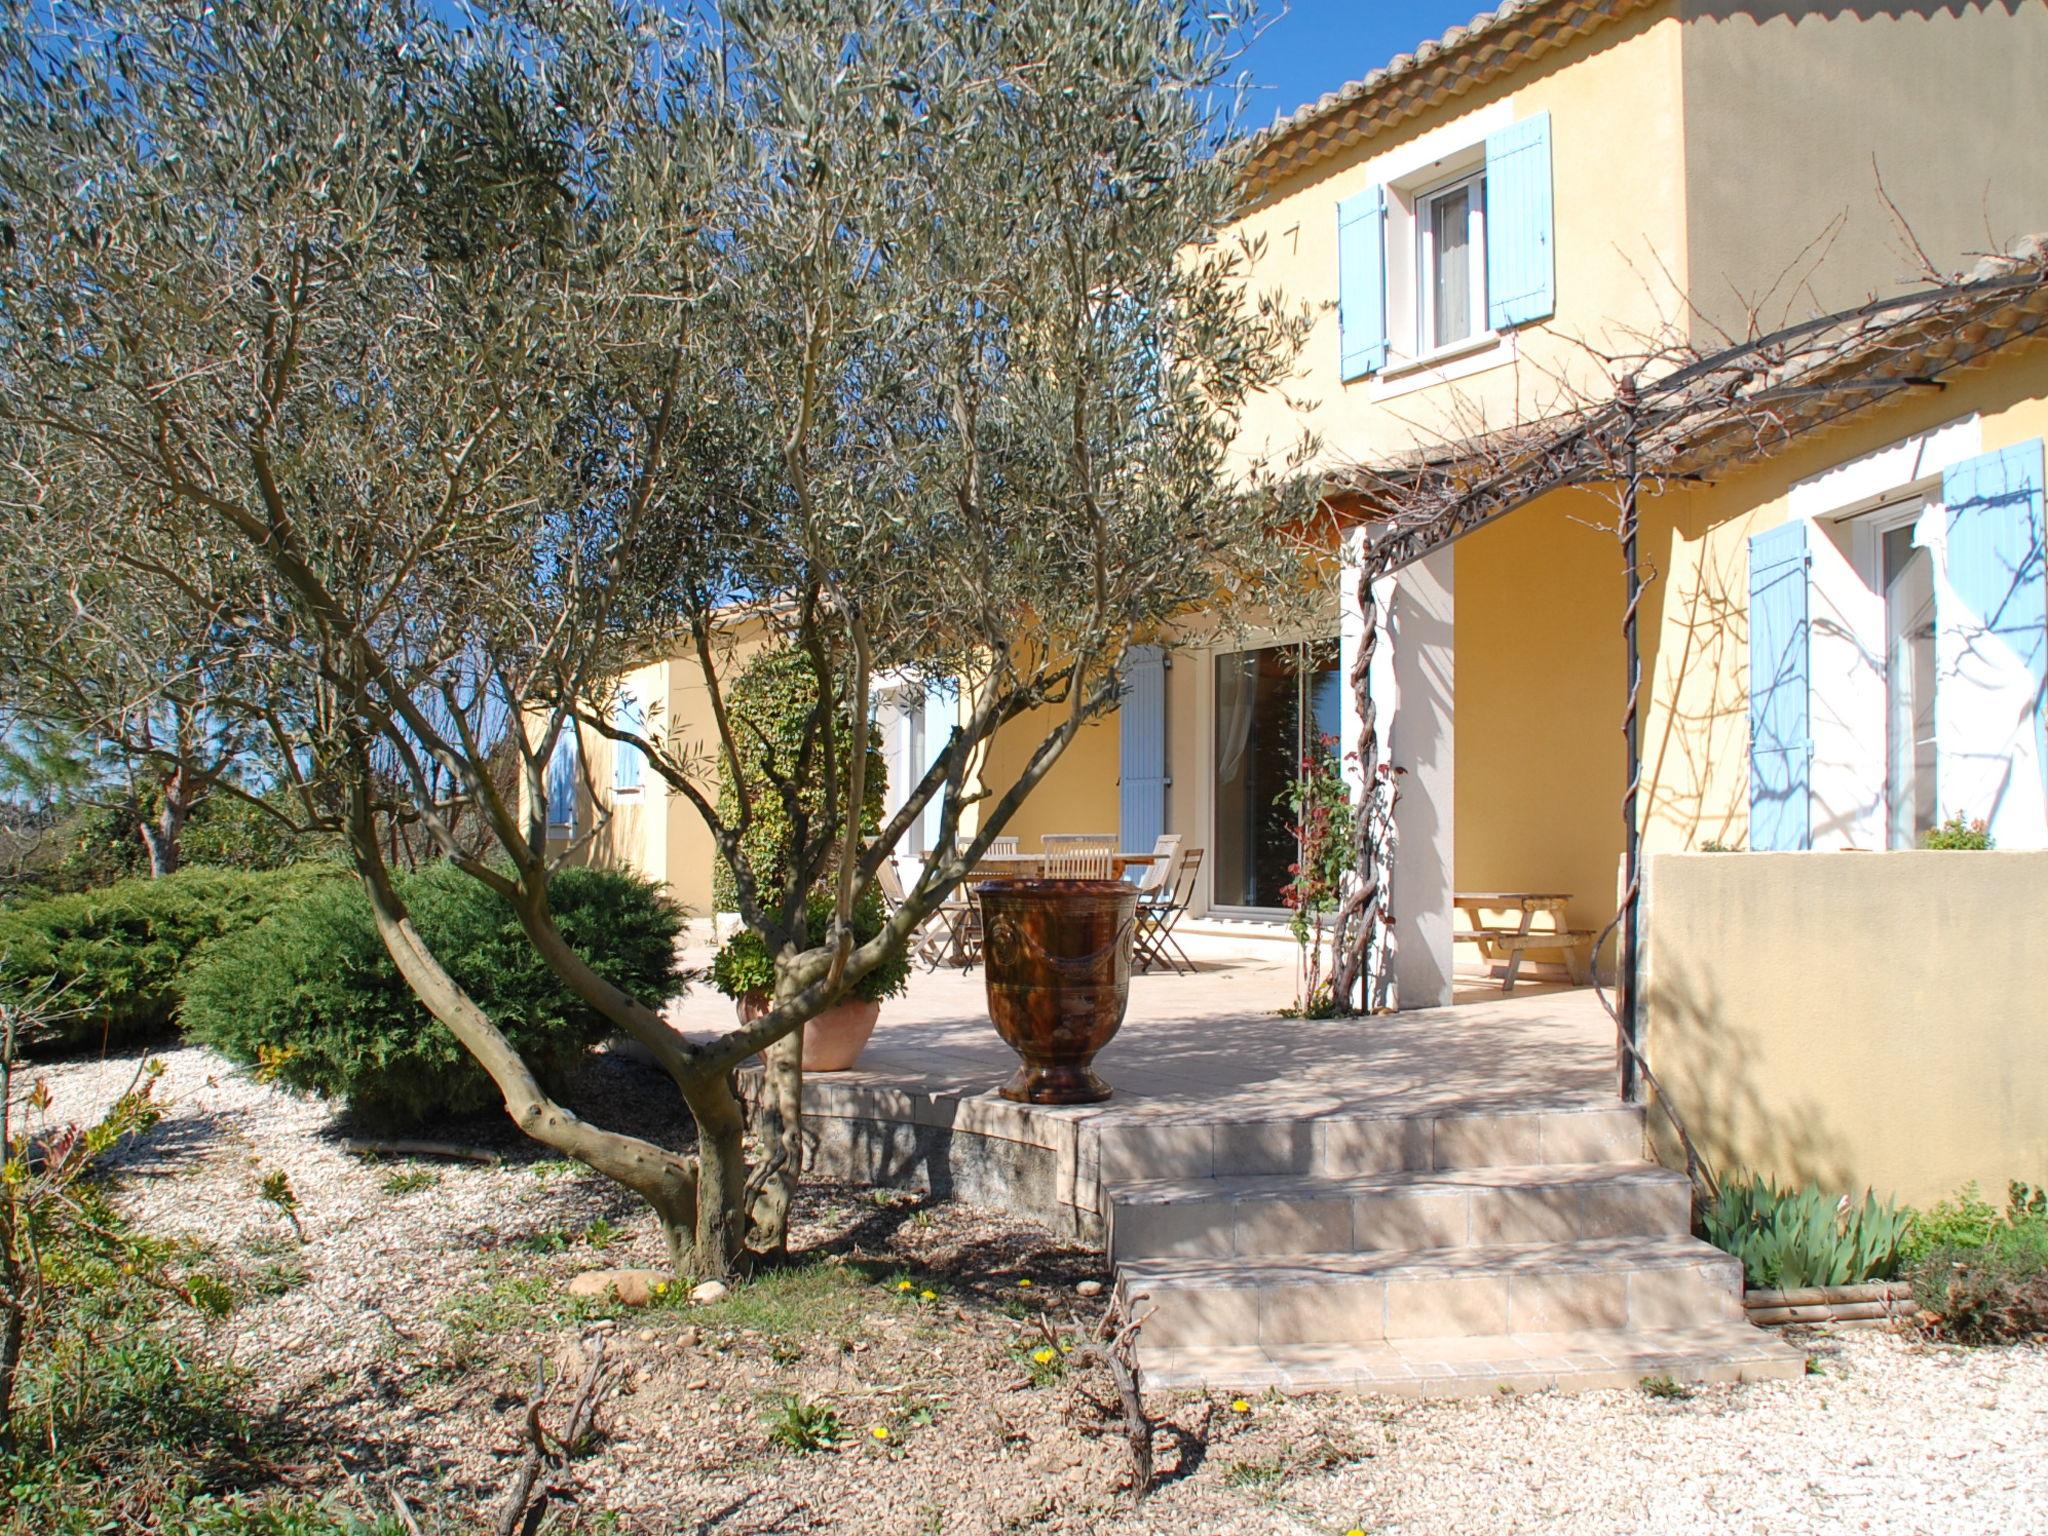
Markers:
point(1318, 45)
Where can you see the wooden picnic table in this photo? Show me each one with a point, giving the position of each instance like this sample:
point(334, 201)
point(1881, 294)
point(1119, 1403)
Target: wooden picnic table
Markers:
point(1506, 942)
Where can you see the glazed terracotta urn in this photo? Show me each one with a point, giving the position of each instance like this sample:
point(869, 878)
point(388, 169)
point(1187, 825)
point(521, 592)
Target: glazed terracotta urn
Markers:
point(1057, 955)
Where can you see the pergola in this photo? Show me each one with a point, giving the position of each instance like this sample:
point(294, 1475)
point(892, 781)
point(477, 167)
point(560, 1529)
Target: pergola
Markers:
point(1676, 414)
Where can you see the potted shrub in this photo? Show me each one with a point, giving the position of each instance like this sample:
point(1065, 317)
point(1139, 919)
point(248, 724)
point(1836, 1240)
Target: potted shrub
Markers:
point(745, 972)
point(774, 706)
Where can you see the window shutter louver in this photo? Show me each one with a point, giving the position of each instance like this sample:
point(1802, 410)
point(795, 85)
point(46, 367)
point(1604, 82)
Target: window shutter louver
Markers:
point(627, 763)
point(562, 782)
point(941, 710)
point(1780, 738)
point(1141, 727)
point(1991, 646)
point(1362, 282)
point(1520, 267)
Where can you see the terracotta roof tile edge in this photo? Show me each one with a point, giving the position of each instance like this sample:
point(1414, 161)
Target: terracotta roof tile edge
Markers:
point(1464, 57)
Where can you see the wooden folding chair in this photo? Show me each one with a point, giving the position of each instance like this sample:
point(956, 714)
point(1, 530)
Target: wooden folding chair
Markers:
point(1158, 875)
point(1153, 940)
point(1081, 862)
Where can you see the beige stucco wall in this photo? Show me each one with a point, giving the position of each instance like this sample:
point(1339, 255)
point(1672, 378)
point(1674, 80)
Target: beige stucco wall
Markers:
point(1619, 243)
point(1857, 1019)
point(1539, 685)
point(1696, 539)
point(1793, 111)
point(1539, 679)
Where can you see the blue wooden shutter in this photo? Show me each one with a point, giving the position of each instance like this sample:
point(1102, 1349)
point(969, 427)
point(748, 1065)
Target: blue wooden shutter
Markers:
point(941, 714)
point(1994, 560)
point(627, 715)
point(562, 781)
point(1141, 727)
point(1520, 266)
point(1362, 282)
point(1780, 739)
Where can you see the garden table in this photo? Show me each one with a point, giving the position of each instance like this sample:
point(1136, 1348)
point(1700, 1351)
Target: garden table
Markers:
point(1507, 941)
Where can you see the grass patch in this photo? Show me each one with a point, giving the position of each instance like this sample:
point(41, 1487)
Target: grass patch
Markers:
point(1253, 1474)
point(410, 1181)
point(811, 1300)
point(1664, 1389)
point(804, 1427)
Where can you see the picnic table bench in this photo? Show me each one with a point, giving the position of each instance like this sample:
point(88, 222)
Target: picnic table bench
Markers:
point(1506, 942)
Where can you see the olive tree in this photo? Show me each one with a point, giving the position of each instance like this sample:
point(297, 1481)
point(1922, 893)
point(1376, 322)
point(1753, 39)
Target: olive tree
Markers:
point(451, 371)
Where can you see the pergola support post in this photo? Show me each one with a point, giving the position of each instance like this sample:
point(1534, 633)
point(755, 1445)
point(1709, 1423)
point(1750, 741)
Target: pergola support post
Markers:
point(1632, 838)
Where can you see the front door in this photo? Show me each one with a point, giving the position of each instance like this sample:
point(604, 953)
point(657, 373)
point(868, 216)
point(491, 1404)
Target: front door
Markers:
point(1274, 707)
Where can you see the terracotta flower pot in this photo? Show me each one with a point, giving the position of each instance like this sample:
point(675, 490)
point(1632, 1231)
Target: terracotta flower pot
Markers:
point(834, 1039)
point(1057, 955)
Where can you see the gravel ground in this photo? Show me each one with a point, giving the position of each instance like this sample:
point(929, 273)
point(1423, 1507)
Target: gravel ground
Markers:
point(398, 1335)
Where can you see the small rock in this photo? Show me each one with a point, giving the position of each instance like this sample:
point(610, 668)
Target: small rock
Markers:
point(646, 1335)
point(710, 1291)
point(1088, 1288)
point(698, 1386)
point(689, 1338)
point(633, 1287)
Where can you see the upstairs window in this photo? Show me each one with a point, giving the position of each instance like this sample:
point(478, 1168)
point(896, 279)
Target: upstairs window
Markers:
point(1451, 264)
point(1439, 259)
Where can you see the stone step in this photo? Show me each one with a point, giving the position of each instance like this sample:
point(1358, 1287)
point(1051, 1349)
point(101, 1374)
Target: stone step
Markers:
point(1595, 1284)
point(1510, 1132)
point(1437, 1208)
point(1483, 1364)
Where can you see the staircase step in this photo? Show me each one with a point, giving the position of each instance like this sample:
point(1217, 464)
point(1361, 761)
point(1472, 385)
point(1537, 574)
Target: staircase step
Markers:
point(1604, 1284)
point(1469, 1133)
point(1438, 1208)
point(1483, 1364)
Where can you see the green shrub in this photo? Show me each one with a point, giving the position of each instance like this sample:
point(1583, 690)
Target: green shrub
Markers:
point(743, 966)
point(1956, 834)
point(772, 703)
point(116, 959)
point(1964, 1220)
point(1981, 1277)
point(1792, 1239)
point(312, 999)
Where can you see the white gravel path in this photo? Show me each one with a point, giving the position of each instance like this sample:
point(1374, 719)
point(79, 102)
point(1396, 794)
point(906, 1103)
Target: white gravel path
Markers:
point(1891, 1434)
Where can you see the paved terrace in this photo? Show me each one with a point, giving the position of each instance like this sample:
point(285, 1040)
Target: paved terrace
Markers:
point(1211, 1081)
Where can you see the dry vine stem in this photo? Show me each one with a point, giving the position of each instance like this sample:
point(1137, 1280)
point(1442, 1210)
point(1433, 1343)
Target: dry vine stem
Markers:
point(519, 1510)
point(1668, 412)
point(1119, 1356)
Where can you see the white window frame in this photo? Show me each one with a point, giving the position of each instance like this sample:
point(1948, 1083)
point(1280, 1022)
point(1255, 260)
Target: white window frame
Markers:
point(1481, 334)
point(1903, 507)
point(1253, 640)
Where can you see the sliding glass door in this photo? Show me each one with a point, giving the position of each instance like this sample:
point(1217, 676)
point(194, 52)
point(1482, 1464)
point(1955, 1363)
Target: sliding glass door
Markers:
point(1274, 706)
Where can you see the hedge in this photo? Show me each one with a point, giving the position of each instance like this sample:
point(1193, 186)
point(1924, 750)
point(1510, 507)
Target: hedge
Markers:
point(112, 962)
point(311, 998)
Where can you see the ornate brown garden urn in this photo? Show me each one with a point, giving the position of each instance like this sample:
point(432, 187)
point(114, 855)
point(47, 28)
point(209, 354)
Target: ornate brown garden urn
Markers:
point(1058, 959)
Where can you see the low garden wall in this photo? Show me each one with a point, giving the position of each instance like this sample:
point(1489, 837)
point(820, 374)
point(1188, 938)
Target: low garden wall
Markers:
point(1854, 1019)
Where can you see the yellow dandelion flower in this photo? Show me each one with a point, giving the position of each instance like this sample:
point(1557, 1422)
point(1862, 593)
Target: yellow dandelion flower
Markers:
point(879, 1432)
point(905, 1285)
point(661, 1287)
point(1045, 1357)
point(1240, 1406)
point(1024, 1282)
point(1354, 1531)
point(928, 1296)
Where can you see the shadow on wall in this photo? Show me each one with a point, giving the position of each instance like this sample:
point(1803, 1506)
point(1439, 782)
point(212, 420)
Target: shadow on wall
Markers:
point(1699, 692)
point(1726, 1093)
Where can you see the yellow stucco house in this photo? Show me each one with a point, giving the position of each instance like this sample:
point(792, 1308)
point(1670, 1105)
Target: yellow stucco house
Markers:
point(1842, 629)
